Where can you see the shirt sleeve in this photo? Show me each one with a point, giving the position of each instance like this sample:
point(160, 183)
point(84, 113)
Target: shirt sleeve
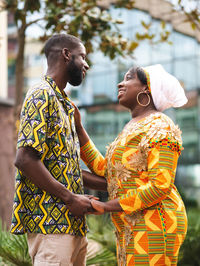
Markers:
point(93, 158)
point(33, 122)
point(161, 166)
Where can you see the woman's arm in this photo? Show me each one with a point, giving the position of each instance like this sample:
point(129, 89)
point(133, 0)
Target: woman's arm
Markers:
point(93, 181)
point(89, 154)
point(81, 132)
point(109, 206)
point(162, 162)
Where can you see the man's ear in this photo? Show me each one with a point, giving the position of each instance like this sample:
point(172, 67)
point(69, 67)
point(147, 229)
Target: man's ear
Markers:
point(66, 54)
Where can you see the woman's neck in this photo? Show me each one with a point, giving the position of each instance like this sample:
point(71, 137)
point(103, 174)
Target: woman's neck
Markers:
point(141, 112)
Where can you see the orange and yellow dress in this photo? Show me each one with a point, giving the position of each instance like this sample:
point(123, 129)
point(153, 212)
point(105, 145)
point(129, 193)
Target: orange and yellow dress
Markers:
point(140, 167)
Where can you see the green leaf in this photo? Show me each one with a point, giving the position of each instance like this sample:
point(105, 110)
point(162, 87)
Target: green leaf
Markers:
point(145, 25)
point(86, 21)
point(163, 24)
point(14, 249)
point(133, 45)
point(193, 25)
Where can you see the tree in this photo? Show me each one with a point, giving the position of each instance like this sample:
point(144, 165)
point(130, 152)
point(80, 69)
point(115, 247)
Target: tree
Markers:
point(87, 19)
point(191, 10)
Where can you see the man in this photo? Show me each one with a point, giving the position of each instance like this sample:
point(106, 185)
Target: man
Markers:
point(48, 204)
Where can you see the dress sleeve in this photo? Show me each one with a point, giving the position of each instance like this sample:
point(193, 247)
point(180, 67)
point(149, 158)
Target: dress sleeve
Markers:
point(93, 158)
point(161, 168)
point(33, 122)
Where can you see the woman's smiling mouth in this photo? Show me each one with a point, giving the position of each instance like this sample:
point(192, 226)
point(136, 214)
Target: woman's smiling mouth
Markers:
point(121, 92)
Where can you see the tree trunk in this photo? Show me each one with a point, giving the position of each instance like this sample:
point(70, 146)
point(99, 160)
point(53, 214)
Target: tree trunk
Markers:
point(19, 79)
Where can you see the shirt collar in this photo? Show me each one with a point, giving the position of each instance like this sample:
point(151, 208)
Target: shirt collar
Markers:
point(62, 97)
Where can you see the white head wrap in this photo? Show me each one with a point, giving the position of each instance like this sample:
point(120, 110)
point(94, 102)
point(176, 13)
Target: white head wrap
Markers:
point(165, 89)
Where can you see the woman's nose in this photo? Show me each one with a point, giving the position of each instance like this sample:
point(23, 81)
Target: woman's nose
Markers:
point(120, 84)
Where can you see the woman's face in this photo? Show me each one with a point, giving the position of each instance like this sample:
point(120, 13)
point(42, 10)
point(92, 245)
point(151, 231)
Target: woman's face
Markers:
point(128, 90)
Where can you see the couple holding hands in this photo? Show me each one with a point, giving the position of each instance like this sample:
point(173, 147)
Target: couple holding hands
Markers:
point(138, 170)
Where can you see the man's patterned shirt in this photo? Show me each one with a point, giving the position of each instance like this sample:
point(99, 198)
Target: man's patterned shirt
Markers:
point(47, 125)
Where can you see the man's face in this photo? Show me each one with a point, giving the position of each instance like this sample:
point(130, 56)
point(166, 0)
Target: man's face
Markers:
point(77, 66)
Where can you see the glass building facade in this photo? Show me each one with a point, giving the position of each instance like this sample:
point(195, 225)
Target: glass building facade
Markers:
point(97, 97)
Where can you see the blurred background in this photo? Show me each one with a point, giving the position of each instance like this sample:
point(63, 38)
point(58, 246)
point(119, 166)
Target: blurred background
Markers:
point(164, 32)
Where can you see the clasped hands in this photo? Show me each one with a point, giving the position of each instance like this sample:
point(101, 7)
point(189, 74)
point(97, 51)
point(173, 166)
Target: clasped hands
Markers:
point(80, 205)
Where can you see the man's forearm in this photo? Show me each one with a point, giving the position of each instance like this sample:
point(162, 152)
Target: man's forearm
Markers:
point(28, 162)
point(34, 169)
point(93, 181)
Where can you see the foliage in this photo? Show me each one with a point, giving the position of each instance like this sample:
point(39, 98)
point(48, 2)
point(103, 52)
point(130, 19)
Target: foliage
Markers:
point(189, 203)
point(191, 9)
point(82, 18)
point(13, 249)
point(87, 19)
point(101, 232)
point(90, 20)
point(189, 252)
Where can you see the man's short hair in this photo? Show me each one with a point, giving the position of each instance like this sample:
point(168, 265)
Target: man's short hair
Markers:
point(59, 41)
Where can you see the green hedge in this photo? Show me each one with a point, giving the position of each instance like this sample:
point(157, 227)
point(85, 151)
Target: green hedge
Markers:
point(14, 249)
point(189, 254)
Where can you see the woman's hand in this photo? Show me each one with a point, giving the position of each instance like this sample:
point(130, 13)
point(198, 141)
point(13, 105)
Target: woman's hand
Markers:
point(109, 206)
point(77, 117)
point(98, 206)
point(82, 134)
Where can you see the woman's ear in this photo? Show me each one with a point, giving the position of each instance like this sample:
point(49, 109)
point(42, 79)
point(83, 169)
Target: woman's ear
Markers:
point(66, 54)
point(146, 90)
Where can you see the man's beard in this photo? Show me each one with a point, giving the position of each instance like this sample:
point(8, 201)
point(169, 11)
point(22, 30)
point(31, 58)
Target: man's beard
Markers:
point(75, 73)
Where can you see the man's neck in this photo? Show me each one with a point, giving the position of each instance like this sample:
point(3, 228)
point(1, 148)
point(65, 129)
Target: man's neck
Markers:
point(59, 80)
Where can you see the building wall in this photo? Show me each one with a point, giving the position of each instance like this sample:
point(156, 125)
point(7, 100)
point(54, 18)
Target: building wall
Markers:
point(6, 131)
point(3, 55)
point(6, 162)
point(35, 63)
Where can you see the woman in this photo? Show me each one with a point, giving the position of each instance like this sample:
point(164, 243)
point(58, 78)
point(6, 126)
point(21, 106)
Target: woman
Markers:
point(140, 166)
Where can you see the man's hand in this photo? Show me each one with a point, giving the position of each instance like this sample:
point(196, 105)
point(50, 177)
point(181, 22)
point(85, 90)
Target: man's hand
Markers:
point(79, 204)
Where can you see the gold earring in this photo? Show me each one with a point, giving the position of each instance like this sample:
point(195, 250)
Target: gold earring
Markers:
point(141, 104)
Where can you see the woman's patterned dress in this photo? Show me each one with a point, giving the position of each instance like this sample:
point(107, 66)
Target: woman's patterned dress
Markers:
point(140, 167)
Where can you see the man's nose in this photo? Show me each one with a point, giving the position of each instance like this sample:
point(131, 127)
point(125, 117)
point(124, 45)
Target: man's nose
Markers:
point(86, 66)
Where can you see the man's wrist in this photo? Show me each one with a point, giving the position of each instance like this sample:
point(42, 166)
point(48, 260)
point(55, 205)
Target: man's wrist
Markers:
point(67, 196)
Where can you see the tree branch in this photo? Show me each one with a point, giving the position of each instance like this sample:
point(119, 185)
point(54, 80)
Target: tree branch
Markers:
point(34, 21)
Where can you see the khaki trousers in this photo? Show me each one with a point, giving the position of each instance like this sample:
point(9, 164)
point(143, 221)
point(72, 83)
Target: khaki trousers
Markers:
point(57, 249)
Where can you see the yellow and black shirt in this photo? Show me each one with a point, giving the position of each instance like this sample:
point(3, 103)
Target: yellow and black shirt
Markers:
point(47, 125)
